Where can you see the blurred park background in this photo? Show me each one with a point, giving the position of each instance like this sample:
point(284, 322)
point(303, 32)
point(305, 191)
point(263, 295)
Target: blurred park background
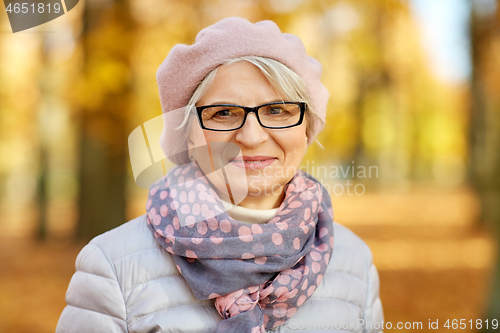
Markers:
point(415, 92)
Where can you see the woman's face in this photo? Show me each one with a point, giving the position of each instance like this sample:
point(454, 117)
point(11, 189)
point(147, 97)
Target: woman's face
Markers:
point(243, 84)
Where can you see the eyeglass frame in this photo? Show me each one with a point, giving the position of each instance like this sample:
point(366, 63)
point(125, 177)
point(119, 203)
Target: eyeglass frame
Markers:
point(255, 110)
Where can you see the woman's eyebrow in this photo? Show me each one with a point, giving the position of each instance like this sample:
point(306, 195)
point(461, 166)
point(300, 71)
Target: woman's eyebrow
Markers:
point(222, 102)
point(232, 103)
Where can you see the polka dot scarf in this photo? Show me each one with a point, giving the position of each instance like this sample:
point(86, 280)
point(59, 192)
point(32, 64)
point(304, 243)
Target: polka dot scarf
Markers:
point(258, 274)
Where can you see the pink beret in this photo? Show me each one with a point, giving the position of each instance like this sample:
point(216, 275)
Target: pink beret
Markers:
point(187, 65)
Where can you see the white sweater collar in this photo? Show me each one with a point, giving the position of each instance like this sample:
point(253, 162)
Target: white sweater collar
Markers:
point(249, 215)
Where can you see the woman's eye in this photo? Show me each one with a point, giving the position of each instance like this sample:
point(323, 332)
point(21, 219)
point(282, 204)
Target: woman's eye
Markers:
point(275, 110)
point(223, 113)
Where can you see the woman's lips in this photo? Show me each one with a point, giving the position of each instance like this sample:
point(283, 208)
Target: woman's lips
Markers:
point(252, 164)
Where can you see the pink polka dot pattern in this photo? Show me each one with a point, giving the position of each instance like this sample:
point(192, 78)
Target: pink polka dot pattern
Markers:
point(301, 300)
point(169, 230)
point(244, 231)
point(185, 209)
point(315, 256)
point(197, 240)
point(163, 210)
point(183, 197)
point(196, 209)
point(189, 221)
point(323, 247)
point(282, 225)
point(274, 219)
point(277, 238)
point(284, 279)
point(323, 232)
point(311, 290)
point(256, 229)
point(279, 312)
point(213, 224)
point(291, 312)
point(175, 223)
point(202, 195)
point(153, 190)
point(174, 204)
point(202, 228)
point(216, 240)
point(259, 249)
point(247, 255)
point(260, 260)
point(191, 196)
point(314, 206)
point(246, 238)
point(305, 284)
point(225, 226)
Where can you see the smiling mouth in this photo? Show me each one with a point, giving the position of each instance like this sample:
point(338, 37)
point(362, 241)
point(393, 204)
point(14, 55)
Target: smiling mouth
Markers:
point(253, 162)
point(249, 162)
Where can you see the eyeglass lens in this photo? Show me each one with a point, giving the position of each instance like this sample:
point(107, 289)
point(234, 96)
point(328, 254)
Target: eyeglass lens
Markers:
point(231, 117)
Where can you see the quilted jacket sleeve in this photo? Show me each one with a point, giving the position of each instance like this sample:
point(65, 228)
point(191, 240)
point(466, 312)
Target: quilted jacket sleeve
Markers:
point(374, 314)
point(94, 300)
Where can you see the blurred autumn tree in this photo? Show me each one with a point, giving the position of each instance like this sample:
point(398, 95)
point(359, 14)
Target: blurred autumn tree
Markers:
point(387, 108)
point(104, 93)
point(485, 125)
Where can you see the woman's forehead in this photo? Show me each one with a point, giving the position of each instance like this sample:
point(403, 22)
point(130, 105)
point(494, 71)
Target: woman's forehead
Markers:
point(240, 83)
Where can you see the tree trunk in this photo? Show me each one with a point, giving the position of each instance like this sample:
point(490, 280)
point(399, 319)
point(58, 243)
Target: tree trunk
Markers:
point(107, 43)
point(484, 164)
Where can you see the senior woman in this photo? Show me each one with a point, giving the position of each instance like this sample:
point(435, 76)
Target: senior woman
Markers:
point(236, 238)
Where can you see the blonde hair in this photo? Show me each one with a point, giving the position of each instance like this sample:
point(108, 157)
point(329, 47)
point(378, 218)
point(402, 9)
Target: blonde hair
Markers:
point(282, 78)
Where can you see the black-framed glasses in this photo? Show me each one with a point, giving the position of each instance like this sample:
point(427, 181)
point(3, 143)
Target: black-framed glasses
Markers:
point(229, 117)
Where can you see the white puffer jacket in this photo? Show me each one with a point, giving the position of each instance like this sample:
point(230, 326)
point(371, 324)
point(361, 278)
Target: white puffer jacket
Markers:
point(126, 282)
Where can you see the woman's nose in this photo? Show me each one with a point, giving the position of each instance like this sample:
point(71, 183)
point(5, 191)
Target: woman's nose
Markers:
point(251, 134)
